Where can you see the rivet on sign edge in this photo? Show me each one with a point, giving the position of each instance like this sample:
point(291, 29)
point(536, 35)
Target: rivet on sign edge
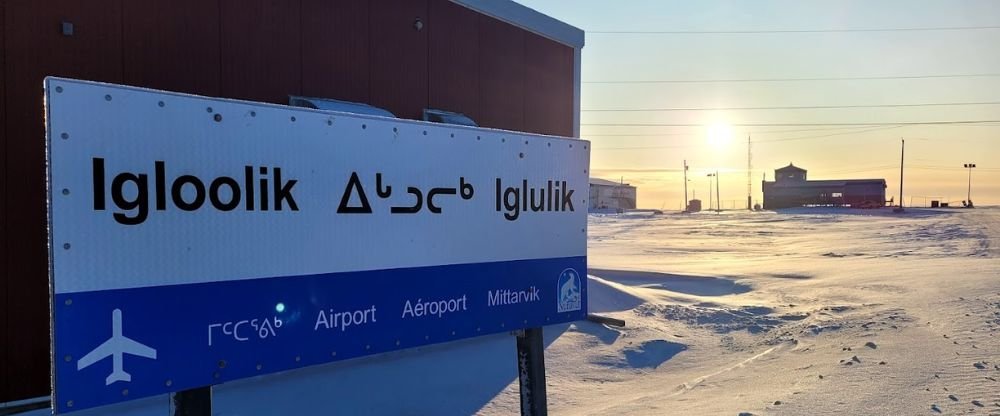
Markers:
point(60, 89)
point(107, 97)
point(65, 191)
point(68, 302)
point(161, 104)
point(66, 246)
point(259, 367)
point(169, 383)
point(64, 136)
point(69, 403)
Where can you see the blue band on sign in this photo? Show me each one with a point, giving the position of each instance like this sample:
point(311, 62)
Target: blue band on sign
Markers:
point(124, 344)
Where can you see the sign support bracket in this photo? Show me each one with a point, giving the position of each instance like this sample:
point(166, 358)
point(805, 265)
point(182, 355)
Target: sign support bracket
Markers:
point(531, 372)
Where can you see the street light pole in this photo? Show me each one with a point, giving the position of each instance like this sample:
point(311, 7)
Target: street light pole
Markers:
point(687, 208)
point(968, 196)
point(710, 190)
point(718, 202)
point(718, 199)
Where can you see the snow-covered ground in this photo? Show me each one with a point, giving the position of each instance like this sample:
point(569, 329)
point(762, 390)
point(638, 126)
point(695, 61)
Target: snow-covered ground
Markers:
point(804, 312)
point(800, 312)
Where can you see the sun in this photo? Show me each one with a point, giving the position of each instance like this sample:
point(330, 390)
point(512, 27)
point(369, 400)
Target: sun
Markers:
point(719, 135)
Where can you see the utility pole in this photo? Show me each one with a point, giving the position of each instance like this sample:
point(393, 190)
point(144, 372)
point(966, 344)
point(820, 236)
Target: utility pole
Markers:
point(710, 175)
point(968, 196)
point(718, 200)
point(749, 180)
point(686, 207)
point(902, 158)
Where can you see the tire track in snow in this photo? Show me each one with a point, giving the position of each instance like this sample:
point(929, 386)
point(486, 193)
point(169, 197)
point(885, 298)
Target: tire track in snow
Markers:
point(688, 386)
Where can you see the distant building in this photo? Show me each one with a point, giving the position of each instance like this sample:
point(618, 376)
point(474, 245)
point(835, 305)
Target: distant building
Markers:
point(694, 205)
point(609, 196)
point(791, 188)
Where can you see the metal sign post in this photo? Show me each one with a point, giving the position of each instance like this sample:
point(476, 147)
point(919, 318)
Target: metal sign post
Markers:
point(531, 372)
point(193, 402)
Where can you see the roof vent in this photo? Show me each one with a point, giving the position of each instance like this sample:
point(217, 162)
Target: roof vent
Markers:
point(448, 117)
point(329, 104)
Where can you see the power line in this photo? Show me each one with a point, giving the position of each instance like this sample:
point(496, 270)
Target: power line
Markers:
point(904, 123)
point(757, 132)
point(699, 81)
point(785, 139)
point(750, 32)
point(858, 170)
point(895, 167)
point(933, 167)
point(755, 141)
point(806, 107)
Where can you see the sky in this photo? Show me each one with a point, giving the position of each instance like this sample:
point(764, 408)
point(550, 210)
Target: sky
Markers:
point(651, 155)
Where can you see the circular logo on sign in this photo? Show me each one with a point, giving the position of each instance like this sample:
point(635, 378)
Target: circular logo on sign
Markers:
point(568, 288)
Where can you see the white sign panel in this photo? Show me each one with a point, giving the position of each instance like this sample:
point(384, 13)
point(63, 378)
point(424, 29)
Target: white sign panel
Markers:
point(198, 240)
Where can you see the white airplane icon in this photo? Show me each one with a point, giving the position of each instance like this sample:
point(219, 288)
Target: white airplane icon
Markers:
point(116, 346)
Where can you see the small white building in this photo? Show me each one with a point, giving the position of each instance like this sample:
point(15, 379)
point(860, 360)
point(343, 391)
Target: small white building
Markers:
point(610, 196)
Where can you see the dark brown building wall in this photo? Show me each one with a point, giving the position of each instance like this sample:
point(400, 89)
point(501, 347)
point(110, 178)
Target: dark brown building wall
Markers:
point(335, 54)
point(357, 50)
point(261, 50)
point(454, 58)
point(4, 311)
point(399, 56)
point(172, 45)
point(501, 71)
point(548, 79)
point(35, 48)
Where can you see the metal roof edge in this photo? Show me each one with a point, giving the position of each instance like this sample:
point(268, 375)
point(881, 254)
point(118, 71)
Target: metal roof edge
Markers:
point(605, 182)
point(791, 167)
point(529, 19)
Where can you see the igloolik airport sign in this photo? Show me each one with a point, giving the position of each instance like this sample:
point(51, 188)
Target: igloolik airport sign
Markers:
point(196, 240)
